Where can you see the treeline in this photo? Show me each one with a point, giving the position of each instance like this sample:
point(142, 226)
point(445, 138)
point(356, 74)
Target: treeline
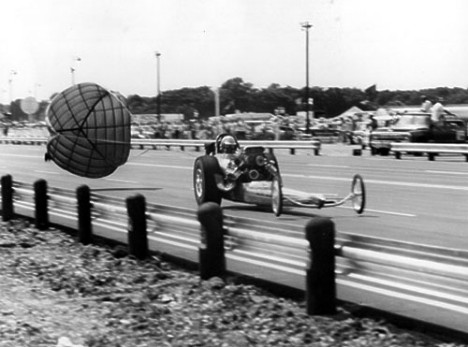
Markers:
point(237, 95)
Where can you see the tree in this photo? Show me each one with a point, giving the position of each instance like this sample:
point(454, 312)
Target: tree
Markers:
point(235, 95)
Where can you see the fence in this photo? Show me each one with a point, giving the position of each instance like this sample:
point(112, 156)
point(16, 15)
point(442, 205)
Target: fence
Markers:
point(431, 149)
point(313, 145)
point(416, 281)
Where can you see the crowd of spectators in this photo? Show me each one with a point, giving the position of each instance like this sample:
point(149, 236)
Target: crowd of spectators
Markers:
point(271, 129)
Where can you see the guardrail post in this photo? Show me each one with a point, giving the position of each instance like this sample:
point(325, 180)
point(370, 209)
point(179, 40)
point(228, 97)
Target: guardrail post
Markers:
point(137, 234)
point(7, 198)
point(320, 274)
point(211, 250)
point(85, 228)
point(292, 151)
point(41, 205)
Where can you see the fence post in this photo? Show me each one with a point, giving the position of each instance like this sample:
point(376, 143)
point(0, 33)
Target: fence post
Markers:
point(85, 228)
point(137, 234)
point(211, 249)
point(7, 198)
point(41, 211)
point(320, 274)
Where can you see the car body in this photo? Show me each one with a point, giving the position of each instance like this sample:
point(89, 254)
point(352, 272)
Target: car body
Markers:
point(418, 127)
point(251, 175)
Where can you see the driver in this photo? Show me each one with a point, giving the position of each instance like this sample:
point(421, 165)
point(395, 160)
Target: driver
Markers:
point(228, 145)
point(228, 153)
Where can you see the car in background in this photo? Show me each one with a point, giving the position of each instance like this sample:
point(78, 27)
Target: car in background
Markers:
point(267, 133)
point(418, 127)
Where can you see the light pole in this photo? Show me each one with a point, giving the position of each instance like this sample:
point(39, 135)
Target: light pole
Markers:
point(216, 98)
point(158, 97)
point(73, 69)
point(10, 83)
point(306, 26)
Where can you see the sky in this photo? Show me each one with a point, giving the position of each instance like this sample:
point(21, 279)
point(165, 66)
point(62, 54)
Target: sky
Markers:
point(395, 44)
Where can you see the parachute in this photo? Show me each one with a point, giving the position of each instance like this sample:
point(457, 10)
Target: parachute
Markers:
point(90, 131)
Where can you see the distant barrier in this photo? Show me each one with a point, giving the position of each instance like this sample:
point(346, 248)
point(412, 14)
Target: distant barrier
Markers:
point(432, 150)
point(421, 282)
point(313, 145)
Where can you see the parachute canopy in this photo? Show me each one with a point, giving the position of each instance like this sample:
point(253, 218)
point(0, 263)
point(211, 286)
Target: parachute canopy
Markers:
point(90, 131)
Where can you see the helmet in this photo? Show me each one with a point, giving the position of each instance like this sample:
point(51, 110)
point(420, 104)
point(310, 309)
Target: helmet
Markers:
point(228, 145)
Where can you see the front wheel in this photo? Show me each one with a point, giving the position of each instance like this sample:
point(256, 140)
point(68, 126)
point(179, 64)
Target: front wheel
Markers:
point(276, 196)
point(204, 183)
point(358, 192)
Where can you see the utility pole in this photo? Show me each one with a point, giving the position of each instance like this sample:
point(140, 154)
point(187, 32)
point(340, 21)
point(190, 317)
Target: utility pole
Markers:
point(216, 97)
point(158, 78)
point(306, 26)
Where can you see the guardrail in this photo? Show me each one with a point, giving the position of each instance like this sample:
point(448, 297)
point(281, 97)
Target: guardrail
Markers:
point(420, 282)
point(431, 149)
point(198, 144)
point(313, 145)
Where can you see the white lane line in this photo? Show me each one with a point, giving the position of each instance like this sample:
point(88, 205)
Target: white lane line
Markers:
point(120, 181)
point(162, 166)
point(330, 166)
point(390, 183)
point(19, 155)
point(447, 172)
point(401, 214)
point(48, 172)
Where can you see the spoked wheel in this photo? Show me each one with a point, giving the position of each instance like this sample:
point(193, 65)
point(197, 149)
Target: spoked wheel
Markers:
point(358, 192)
point(276, 196)
point(204, 184)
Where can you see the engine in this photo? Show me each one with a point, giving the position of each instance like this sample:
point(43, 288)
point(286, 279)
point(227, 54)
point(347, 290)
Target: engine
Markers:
point(256, 165)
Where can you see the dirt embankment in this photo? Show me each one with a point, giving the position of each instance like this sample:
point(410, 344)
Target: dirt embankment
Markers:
point(57, 292)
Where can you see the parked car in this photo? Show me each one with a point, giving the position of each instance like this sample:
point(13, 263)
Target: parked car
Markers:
point(418, 127)
point(268, 134)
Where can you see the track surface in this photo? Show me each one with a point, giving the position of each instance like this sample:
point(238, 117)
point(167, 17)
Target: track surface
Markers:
point(411, 199)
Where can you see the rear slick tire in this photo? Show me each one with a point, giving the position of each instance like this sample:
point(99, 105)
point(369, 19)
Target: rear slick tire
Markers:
point(204, 183)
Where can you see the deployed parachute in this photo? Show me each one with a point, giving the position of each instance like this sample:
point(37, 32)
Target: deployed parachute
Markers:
point(90, 131)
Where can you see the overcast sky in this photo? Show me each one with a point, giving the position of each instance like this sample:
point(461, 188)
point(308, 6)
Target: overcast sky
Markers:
point(396, 44)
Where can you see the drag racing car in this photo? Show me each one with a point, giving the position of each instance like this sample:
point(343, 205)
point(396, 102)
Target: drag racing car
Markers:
point(251, 175)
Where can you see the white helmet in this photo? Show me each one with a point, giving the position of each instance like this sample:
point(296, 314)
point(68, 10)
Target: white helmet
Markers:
point(228, 145)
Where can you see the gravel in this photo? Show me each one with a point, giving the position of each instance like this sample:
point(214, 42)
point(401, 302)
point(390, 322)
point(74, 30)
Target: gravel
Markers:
point(57, 292)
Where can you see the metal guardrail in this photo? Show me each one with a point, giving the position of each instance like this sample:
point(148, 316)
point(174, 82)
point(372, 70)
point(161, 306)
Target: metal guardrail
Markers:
point(431, 149)
point(314, 145)
point(421, 282)
point(23, 140)
point(198, 144)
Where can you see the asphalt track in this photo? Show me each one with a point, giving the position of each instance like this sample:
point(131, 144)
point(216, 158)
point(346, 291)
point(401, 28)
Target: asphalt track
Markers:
point(412, 199)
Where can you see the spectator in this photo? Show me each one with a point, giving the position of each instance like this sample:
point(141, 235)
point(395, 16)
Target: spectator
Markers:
point(426, 104)
point(373, 123)
point(437, 110)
